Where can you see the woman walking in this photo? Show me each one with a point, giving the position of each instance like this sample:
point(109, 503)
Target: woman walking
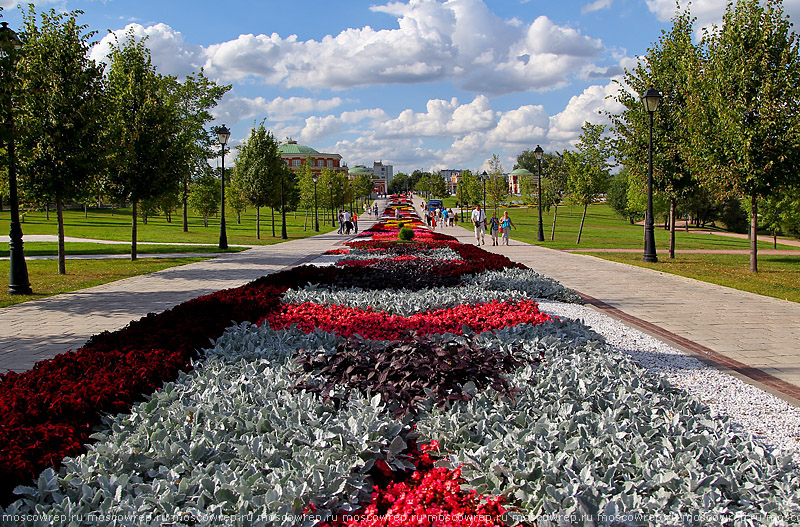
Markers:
point(506, 224)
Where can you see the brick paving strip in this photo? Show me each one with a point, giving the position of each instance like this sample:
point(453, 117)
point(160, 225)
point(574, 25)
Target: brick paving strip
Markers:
point(41, 329)
point(753, 337)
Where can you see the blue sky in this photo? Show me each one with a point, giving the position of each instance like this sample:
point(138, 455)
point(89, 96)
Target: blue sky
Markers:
point(419, 84)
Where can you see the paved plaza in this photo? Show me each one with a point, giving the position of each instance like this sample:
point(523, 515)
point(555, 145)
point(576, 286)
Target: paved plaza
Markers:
point(754, 337)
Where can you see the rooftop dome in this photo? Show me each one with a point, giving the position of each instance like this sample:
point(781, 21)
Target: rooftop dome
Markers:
point(291, 147)
point(359, 170)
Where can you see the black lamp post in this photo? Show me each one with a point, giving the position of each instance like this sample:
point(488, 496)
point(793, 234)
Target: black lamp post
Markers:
point(18, 282)
point(223, 134)
point(315, 177)
point(539, 154)
point(651, 98)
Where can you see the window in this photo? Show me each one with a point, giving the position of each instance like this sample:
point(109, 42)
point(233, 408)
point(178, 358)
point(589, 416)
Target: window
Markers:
point(330, 163)
point(295, 162)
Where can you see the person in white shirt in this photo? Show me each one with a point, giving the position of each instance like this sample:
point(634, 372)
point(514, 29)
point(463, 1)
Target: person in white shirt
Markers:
point(479, 221)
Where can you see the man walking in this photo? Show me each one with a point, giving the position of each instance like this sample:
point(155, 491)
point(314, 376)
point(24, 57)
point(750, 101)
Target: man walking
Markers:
point(479, 221)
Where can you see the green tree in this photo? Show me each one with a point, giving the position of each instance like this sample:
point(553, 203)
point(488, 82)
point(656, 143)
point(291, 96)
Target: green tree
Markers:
point(617, 196)
point(305, 183)
point(236, 199)
point(62, 112)
point(258, 167)
point(204, 195)
point(496, 185)
point(745, 112)
point(143, 127)
point(588, 168)
point(669, 66)
point(193, 99)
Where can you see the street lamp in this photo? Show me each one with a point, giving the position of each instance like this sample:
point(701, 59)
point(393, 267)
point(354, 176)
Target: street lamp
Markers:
point(539, 154)
point(315, 177)
point(651, 98)
point(18, 282)
point(223, 134)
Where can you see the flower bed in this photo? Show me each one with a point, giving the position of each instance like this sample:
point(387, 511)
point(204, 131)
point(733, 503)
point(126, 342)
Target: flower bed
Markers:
point(298, 421)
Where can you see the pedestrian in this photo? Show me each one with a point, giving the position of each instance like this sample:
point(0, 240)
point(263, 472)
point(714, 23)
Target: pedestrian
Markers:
point(494, 227)
point(375, 209)
point(355, 222)
point(347, 220)
point(396, 214)
point(439, 218)
point(445, 217)
point(506, 224)
point(341, 223)
point(450, 217)
point(479, 221)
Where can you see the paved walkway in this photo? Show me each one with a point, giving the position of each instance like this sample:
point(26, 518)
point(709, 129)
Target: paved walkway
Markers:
point(754, 337)
point(40, 329)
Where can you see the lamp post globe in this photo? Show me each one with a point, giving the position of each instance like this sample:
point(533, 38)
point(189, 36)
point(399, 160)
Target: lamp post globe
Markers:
point(18, 282)
point(223, 135)
point(538, 153)
point(651, 100)
point(315, 177)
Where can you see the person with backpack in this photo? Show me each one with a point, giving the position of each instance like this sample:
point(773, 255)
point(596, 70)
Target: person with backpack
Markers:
point(494, 227)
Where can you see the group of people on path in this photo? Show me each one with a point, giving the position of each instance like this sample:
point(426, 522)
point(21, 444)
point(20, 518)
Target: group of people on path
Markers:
point(440, 217)
point(347, 222)
point(496, 225)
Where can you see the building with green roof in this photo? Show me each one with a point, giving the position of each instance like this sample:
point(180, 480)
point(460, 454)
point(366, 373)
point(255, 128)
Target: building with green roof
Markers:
point(295, 155)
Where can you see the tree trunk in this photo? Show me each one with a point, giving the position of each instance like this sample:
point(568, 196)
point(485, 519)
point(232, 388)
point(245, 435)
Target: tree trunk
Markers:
point(185, 213)
point(553, 230)
point(583, 218)
point(133, 230)
point(47, 210)
point(774, 239)
point(672, 228)
point(753, 233)
point(258, 223)
point(284, 236)
point(305, 221)
point(272, 210)
point(62, 265)
point(85, 210)
point(205, 220)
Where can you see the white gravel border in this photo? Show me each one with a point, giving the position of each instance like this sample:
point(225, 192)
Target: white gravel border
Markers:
point(773, 421)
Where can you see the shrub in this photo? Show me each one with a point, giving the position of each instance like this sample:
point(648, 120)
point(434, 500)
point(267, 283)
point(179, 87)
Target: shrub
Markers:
point(406, 234)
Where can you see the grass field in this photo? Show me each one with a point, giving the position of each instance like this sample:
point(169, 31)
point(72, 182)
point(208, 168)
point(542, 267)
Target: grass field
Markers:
point(603, 229)
point(85, 248)
point(154, 237)
point(103, 224)
point(778, 276)
point(45, 280)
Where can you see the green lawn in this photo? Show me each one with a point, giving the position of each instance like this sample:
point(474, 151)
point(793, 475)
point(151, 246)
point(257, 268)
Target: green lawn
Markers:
point(103, 224)
point(778, 276)
point(85, 248)
point(45, 280)
point(603, 229)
